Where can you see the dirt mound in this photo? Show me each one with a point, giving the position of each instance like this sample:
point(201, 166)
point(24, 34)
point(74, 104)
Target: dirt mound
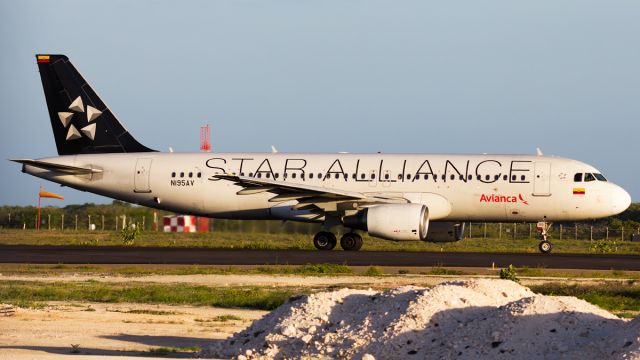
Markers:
point(476, 319)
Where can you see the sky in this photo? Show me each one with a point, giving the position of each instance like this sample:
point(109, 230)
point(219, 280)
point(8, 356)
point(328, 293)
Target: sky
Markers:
point(328, 76)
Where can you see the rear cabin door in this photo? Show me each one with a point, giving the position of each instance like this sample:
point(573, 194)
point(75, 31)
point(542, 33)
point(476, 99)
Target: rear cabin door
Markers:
point(141, 177)
point(542, 179)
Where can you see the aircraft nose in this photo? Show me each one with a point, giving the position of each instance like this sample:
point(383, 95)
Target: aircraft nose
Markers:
point(620, 200)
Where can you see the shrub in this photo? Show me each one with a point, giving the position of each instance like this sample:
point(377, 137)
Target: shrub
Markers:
point(509, 273)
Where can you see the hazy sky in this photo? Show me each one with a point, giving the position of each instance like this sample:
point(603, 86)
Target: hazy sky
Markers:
point(313, 76)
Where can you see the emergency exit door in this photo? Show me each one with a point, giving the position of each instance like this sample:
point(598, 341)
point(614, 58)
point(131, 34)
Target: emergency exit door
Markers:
point(141, 177)
point(542, 179)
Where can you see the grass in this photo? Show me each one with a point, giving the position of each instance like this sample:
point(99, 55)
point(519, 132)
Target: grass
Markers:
point(48, 270)
point(251, 240)
point(220, 318)
point(619, 298)
point(19, 292)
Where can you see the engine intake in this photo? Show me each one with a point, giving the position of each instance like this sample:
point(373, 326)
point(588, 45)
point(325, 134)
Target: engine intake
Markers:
point(392, 221)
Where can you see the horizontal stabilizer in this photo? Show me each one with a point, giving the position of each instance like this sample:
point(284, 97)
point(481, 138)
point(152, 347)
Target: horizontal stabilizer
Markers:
point(64, 169)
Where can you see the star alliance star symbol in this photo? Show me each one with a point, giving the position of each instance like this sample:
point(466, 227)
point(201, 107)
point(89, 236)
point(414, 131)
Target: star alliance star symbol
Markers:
point(77, 106)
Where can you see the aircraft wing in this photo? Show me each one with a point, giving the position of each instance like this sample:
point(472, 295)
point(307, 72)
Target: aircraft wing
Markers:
point(304, 194)
point(64, 169)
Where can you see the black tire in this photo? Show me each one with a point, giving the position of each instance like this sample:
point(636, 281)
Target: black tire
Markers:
point(324, 240)
point(351, 242)
point(545, 247)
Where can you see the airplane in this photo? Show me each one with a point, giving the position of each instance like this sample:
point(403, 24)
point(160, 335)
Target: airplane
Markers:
point(398, 197)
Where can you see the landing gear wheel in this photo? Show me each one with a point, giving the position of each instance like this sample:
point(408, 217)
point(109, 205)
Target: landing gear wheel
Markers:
point(324, 240)
point(351, 242)
point(545, 246)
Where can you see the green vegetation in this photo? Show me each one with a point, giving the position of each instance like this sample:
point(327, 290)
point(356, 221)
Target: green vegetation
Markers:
point(164, 351)
point(220, 318)
point(130, 233)
point(509, 273)
point(239, 240)
point(374, 271)
point(619, 298)
point(15, 292)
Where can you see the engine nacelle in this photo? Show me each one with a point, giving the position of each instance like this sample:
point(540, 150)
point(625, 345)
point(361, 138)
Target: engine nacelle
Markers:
point(445, 232)
point(392, 221)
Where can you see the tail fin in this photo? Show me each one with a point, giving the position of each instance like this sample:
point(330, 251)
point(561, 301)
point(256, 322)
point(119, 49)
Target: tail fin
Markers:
point(81, 122)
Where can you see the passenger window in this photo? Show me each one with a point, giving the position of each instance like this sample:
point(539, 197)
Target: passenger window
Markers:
point(426, 176)
point(293, 175)
point(505, 177)
point(513, 178)
point(452, 177)
point(268, 175)
point(346, 176)
point(479, 177)
point(470, 177)
point(310, 175)
point(496, 177)
point(199, 175)
point(259, 175)
point(386, 176)
point(487, 177)
point(354, 176)
point(361, 176)
point(589, 177)
point(577, 177)
point(373, 176)
point(250, 174)
point(277, 175)
point(444, 177)
point(461, 177)
point(173, 174)
point(337, 176)
point(522, 178)
point(190, 174)
point(181, 174)
point(319, 176)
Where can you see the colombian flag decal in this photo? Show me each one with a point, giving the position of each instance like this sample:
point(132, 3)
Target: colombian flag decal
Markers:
point(43, 58)
point(578, 191)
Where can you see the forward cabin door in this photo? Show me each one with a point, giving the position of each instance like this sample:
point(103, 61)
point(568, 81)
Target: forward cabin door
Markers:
point(141, 177)
point(542, 179)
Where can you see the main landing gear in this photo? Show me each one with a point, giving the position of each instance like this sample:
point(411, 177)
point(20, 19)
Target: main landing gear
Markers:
point(325, 240)
point(545, 245)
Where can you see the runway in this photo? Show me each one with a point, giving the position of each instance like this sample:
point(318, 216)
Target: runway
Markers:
point(207, 256)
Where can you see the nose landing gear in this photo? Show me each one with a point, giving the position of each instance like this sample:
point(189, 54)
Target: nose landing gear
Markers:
point(545, 245)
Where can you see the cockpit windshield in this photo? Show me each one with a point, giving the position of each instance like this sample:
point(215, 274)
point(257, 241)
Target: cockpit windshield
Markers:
point(586, 177)
point(600, 177)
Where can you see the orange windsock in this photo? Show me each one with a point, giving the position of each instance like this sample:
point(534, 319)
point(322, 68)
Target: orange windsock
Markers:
point(46, 194)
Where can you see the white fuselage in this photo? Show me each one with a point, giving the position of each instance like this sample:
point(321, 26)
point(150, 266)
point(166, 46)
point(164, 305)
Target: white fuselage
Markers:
point(454, 187)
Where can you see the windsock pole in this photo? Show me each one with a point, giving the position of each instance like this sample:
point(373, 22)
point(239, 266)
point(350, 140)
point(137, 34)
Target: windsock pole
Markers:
point(46, 194)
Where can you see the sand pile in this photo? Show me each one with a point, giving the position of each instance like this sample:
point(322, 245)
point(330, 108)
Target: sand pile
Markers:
point(476, 319)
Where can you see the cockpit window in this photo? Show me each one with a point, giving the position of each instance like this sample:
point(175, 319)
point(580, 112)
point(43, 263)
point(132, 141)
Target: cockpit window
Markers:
point(589, 177)
point(577, 177)
point(600, 177)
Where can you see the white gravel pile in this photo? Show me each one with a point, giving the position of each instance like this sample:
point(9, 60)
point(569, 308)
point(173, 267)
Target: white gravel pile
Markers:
point(475, 319)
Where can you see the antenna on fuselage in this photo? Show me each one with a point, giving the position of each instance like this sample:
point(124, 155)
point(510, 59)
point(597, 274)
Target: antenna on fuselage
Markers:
point(539, 152)
point(273, 149)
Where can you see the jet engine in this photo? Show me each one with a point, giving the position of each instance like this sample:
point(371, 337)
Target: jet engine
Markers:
point(445, 232)
point(392, 221)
